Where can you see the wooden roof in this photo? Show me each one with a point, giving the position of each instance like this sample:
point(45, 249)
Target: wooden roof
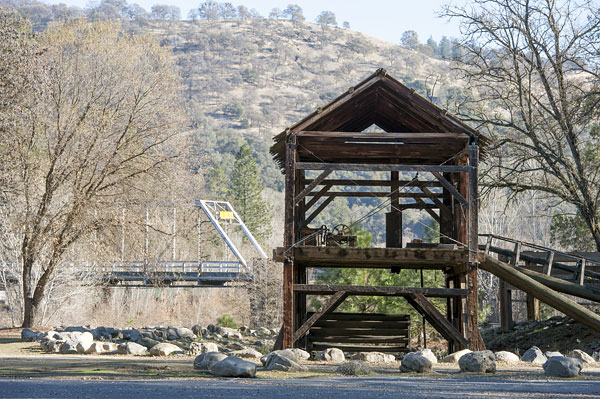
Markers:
point(417, 131)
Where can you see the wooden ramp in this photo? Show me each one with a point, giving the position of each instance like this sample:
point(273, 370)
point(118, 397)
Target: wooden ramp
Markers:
point(544, 293)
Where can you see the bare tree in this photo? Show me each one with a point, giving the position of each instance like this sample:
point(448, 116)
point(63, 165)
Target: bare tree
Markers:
point(532, 66)
point(101, 129)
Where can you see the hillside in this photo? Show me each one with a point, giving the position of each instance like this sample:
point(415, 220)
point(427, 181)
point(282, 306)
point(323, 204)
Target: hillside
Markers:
point(250, 79)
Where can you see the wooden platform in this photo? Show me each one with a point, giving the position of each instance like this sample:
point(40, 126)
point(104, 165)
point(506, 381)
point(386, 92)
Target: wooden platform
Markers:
point(402, 258)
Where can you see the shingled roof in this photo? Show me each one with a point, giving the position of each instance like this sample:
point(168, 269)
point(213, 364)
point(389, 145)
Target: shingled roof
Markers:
point(383, 101)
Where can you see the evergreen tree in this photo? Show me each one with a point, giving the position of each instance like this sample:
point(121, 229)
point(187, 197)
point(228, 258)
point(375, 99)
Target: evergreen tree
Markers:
point(245, 191)
point(216, 181)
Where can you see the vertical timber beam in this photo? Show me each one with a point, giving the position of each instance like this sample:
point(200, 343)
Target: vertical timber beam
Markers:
point(462, 232)
point(299, 305)
point(288, 242)
point(505, 297)
point(533, 305)
point(475, 340)
point(393, 219)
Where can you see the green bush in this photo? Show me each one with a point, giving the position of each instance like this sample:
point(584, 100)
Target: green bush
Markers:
point(226, 321)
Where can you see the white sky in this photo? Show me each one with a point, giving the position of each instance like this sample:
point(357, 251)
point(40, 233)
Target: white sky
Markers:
point(384, 19)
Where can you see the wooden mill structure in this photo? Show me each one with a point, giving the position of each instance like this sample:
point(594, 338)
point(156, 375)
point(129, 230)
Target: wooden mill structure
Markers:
point(414, 136)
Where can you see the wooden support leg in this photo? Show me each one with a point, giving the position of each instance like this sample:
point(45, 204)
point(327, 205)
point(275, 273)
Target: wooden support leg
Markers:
point(288, 304)
point(533, 308)
point(505, 296)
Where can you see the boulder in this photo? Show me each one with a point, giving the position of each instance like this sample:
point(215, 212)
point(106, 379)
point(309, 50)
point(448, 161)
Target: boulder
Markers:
point(550, 354)
point(51, 345)
point(165, 349)
point(247, 353)
point(233, 366)
point(263, 332)
point(561, 366)
point(507, 357)
point(289, 353)
point(185, 332)
point(199, 330)
point(455, 357)
point(83, 342)
point(197, 348)
point(478, 362)
point(277, 361)
point(413, 363)
point(28, 335)
point(132, 348)
point(375, 357)
point(172, 334)
point(68, 347)
point(148, 342)
point(301, 354)
point(354, 368)
point(204, 361)
point(428, 354)
point(581, 355)
point(132, 335)
point(534, 355)
point(331, 355)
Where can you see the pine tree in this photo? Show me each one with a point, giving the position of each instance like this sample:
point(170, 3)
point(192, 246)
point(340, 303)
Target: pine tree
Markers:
point(245, 191)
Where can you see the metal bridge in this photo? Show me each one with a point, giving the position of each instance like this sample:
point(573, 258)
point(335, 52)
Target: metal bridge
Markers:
point(168, 273)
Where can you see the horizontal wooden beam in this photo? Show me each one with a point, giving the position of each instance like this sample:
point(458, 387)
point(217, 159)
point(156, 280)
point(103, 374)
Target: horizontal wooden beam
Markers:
point(378, 183)
point(380, 167)
point(353, 257)
point(374, 194)
point(360, 348)
point(387, 136)
point(327, 289)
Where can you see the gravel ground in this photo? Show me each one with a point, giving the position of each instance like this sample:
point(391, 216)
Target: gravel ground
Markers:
point(347, 388)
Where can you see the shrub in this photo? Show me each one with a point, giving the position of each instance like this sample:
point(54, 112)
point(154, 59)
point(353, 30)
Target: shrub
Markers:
point(226, 321)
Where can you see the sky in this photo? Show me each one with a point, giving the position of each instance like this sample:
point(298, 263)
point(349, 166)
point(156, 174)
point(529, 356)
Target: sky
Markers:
point(384, 19)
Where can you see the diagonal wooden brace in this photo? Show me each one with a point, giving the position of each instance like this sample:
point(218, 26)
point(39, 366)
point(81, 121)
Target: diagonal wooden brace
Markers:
point(334, 301)
point(435, 318)
point(300, 196)
point(448, 186)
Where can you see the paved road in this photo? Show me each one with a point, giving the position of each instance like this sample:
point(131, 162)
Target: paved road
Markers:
point(346, 388)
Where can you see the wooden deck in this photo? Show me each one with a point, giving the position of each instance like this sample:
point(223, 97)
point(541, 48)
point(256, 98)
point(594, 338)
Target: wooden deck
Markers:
point(401, 258)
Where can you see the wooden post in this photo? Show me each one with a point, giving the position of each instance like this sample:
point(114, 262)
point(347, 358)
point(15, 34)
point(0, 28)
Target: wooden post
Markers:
point(533, 304)
point(288, 242)
point(505, 299)
point(475, 340)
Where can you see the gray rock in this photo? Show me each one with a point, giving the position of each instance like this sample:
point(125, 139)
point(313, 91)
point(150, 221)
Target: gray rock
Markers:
point(455, 357)
point(172, 334)
point(185, 332)
point(204, 361)
point(263, 332)
point(51, 345)
point(374, 357)
point(199, 330)
point(276, 361)
point(197, 348)
point(331, 355)
point(478, 362)
point(165, 349)
point(247, 353)
point(289, 353)
point(550, 354)
point(301, 354)
point(132, 348)
point(76, 329)
point(428, 354)
point(354, 368)
point(561, 366)
point(413, 363)
point(534, 355)
point(507, 357)
point(68, 347)
point(234, 367)
point(83, 342)
point(132, 335)
point(148, 342)
point(581, 355)
point(28, 335)
point(102, 348)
